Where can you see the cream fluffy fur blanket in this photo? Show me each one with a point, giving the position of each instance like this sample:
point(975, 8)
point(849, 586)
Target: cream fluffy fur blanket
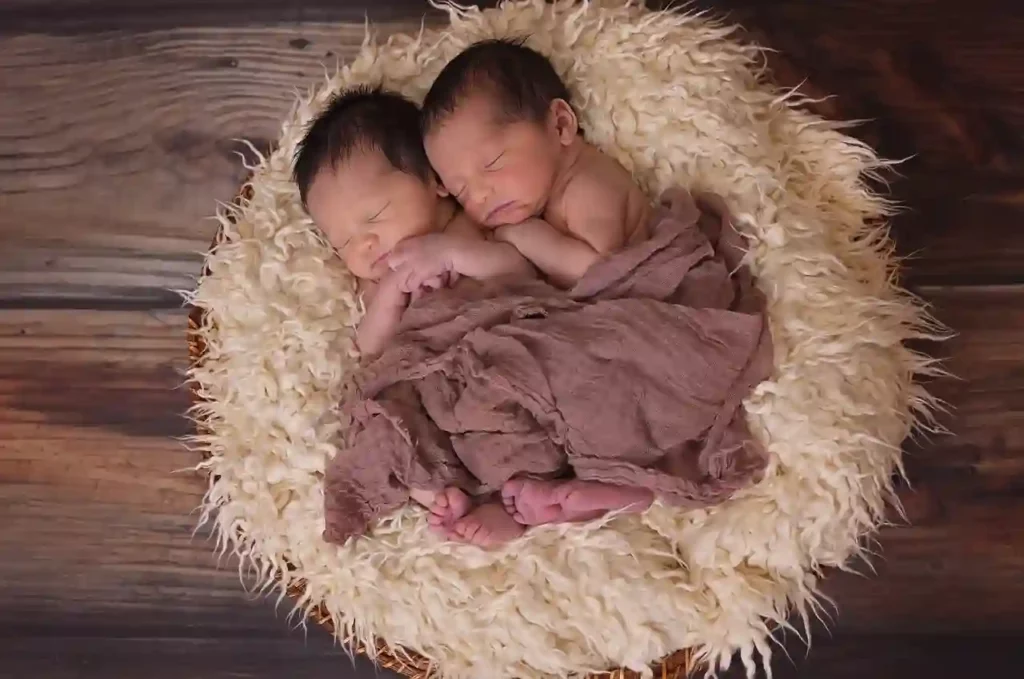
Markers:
point(677, 101)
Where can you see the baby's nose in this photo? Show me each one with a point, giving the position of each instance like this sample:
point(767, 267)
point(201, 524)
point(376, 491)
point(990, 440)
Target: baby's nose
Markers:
point(478, 198)
point(369, 243)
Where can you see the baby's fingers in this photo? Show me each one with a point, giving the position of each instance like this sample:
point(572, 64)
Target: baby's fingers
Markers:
point(434, 283)
point(402, 254)
point(402, 278)
point(395, 261)
point(411, 277)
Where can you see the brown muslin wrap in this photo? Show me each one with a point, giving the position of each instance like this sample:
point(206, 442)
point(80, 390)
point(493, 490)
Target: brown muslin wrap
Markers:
point(634, 377)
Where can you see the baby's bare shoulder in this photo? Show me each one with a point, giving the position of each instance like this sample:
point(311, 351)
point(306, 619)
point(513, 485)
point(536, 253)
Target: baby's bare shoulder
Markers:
point(603, 204)
point(599, 181)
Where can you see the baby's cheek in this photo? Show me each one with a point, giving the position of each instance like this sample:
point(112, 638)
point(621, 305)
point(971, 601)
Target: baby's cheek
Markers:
point(508, 185)
point(356, 267)
point(473, 211)
point(357, 261)
point(530, 185)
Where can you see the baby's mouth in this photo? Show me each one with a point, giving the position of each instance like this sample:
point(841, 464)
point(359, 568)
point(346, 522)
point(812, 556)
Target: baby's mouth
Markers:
point(496, 212)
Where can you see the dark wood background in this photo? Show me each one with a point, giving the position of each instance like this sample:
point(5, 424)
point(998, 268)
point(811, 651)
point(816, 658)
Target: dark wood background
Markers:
point(117, 129)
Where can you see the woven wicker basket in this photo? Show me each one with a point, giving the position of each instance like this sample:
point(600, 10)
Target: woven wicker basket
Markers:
point(675, 666)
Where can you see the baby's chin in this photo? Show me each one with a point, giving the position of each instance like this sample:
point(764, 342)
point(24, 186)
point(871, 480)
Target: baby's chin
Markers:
point(377, 272)
point(368, 274)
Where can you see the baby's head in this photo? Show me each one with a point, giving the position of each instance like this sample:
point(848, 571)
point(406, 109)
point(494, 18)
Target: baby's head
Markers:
point(364, 177)
point(497, 124)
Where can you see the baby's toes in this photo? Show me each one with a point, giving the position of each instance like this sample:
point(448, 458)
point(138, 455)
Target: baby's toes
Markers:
point(458, 503)
point(511, 488)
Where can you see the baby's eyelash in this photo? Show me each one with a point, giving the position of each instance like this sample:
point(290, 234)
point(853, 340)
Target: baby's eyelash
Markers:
point(491, 164)
point(379, 212)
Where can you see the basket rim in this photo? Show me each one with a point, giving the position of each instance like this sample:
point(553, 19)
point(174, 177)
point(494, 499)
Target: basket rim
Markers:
point(677, 665)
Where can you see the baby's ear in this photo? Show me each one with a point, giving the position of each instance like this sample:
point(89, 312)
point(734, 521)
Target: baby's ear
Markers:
point(440, 188)
point(564, 121)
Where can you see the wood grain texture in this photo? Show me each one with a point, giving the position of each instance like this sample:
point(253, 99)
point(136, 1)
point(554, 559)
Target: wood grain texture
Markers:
point(938, 86)
point(96, 501)
point(957, 567)
point(116, 148)
point(117, 145)
point(869, 657)
point(844, 657)
point(84, 17)
point(55, 657)
point(97, 524)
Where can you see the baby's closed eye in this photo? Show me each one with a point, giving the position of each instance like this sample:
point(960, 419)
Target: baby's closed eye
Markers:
point(493, 165)
point(377, 215)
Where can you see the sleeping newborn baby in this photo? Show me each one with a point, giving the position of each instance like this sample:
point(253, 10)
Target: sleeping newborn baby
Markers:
point(505, 142)
point(366, 182)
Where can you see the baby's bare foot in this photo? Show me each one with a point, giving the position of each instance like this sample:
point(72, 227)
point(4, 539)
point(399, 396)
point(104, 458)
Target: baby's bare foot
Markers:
point(450, 505)
point(489, 525)
point(533, 503)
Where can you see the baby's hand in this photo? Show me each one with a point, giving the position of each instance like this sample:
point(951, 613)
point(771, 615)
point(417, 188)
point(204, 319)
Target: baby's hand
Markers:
point(389, 292)
point(424, 262)
point(383, 315)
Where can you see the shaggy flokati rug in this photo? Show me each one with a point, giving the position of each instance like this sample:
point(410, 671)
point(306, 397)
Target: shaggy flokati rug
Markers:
point(677, 101)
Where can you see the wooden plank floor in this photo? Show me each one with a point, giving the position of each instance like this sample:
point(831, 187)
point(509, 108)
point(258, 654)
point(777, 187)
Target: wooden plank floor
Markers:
point(117, 129)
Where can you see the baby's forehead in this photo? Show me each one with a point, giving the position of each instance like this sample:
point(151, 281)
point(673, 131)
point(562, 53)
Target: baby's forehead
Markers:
point(365, 164)
point(479, 107)
point(341, 188)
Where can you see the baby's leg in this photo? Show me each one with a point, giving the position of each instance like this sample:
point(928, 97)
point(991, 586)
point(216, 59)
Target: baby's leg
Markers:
point(446, 506)
point(533, 502)
point(489, 525)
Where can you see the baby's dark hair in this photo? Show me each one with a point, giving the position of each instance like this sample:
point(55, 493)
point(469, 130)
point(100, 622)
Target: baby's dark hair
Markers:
point(362, 118)
point(523, 81)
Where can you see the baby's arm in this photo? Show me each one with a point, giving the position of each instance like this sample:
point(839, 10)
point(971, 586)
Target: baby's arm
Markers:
point(461, 250)
point(562, 258)
point(383, 314)
point(475, 256)
point(595, 218)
